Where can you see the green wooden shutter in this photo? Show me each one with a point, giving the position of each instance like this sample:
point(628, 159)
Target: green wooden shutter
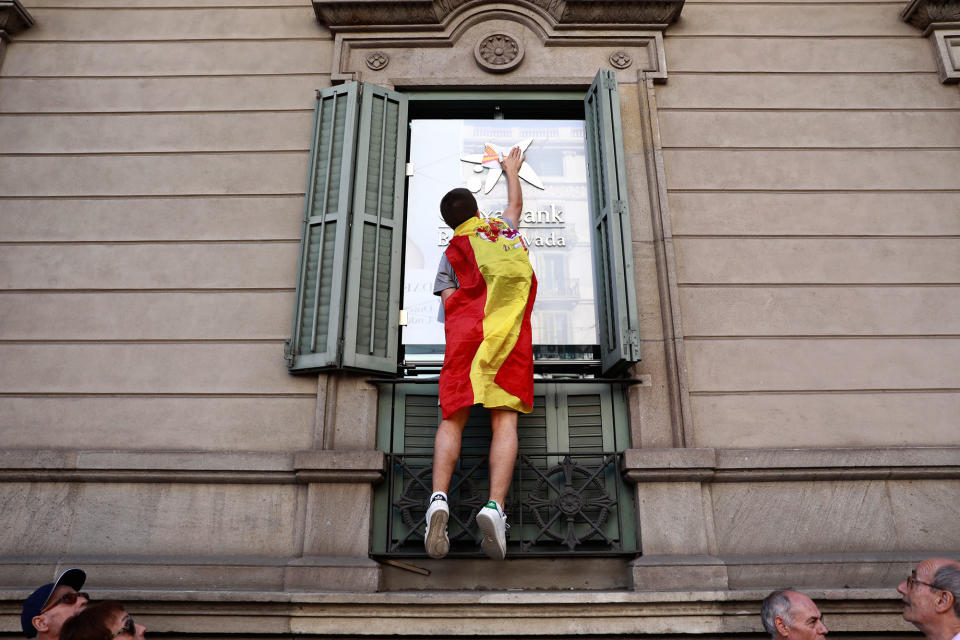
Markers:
point(610, 227)
point(348, 290)
point(371, 328)
point(318, 315)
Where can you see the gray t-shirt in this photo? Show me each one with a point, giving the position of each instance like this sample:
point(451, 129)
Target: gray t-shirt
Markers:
point(446, 279)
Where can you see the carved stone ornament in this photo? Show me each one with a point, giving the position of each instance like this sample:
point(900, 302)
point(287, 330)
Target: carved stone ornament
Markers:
point(620, 59)
point(498, 52)
point(13, 18)
point(377, 60)
point(337, 14)
point(923, 13)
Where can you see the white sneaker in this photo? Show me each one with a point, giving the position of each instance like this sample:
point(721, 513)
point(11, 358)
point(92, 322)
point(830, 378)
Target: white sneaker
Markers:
point(435, 539)
point(493, 525)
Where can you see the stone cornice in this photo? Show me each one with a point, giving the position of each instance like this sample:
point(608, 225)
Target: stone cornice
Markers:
point(782, 465)
point(924, 13)
point(304, 467)
point(390, 14)
point(315, 610)
point(14, 18)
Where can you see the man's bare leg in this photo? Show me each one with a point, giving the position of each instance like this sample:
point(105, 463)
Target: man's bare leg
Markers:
point(503, 455)
point(446, 448)
point(503, 452)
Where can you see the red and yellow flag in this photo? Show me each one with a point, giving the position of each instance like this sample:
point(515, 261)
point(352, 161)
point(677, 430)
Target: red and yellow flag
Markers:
point(488, 358)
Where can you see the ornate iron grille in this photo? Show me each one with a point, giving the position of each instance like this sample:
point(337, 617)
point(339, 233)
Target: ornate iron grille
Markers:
point(560, 503)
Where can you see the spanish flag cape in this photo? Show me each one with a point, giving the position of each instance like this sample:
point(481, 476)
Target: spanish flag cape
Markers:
point(488, 358)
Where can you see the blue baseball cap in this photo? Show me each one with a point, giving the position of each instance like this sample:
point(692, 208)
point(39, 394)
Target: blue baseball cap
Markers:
point(33, 605)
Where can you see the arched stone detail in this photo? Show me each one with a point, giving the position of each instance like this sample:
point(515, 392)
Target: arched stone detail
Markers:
point(432, 43)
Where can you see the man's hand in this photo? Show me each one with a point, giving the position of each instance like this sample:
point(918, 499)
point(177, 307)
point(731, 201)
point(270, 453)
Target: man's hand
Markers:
point(512, 162)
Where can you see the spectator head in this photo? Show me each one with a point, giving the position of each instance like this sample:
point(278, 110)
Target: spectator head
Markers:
point(106, 620)
point(47, 608)
point(457, 206)
point(791, 615)
point(931, 596)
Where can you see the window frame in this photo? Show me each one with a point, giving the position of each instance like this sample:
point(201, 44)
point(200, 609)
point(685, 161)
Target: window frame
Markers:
point(612, 264)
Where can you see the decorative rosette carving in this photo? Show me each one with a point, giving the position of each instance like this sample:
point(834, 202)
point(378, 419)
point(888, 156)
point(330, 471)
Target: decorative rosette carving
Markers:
point(498, 52)
point(620, 59)
point(377, 60)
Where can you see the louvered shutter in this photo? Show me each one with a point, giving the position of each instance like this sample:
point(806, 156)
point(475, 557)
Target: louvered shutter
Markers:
point(371, 328)
point(348, 289)
point(610, 227)
point(318, 315)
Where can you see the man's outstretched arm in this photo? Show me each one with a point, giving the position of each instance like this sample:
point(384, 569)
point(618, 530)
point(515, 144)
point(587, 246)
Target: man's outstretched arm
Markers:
point(511, 167)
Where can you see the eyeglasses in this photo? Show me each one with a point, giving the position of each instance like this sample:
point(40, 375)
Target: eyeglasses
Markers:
point(67, 599)
point(127, 627)
point(912, 583)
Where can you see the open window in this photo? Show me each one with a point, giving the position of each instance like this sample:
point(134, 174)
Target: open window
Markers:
point(379, 163)
point(348, 299)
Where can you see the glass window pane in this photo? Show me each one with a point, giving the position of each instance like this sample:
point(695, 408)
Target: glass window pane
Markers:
point(555, 222)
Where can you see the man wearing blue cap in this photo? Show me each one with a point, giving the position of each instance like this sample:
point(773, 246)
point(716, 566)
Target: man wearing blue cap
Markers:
point(47, 608)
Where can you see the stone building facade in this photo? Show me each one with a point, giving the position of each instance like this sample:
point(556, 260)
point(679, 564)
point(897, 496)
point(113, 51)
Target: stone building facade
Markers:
point(792, 191)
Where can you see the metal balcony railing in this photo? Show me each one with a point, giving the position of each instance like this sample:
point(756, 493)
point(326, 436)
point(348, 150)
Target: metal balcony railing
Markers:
point(561, 503)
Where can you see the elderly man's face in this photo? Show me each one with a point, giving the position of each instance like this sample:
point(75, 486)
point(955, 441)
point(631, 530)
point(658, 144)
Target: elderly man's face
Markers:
point(807, 621)
point(919, 598)
point(63, 604)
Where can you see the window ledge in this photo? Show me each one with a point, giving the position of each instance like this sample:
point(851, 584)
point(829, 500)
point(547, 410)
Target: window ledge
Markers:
point(361, 466)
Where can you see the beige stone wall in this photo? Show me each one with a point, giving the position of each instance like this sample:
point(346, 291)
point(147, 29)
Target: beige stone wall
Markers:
point(153, 168)
point(811, 157)
point(152, 164)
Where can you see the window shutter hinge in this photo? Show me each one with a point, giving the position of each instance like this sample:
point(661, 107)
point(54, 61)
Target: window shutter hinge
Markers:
point(402, 321)
point(408, 171)
point(288, 353)
point(609, 81)
point(632, 342)
point(620, 207)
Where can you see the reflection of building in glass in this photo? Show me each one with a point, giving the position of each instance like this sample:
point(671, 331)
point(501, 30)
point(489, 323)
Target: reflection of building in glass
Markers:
point(555, 221)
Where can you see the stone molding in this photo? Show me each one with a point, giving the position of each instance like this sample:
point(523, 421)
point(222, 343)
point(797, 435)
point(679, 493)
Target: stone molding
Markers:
point(365, 467)
point(946, 45)
point(857, 571)
point(436, 43)
point(712, 614)
point(924, 13)
point(351, 14)
point(940, 22)
point(765, 465)
point(368, 466)
point(14, 18)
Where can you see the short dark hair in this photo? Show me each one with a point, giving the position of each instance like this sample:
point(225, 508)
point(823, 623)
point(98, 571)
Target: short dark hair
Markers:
point(457, 206)
point(93, 623)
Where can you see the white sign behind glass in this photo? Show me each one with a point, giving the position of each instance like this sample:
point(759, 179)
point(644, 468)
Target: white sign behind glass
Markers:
point(555, 221)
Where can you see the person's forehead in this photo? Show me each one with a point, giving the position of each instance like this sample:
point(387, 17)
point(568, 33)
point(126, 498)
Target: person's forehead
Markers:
point(60, 590)
point(927, 568)
point(803, 606)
